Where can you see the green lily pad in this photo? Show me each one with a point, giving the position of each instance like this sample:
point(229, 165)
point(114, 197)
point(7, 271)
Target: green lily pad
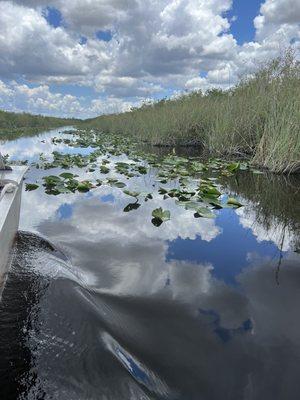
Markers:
point(148, 197)
point(31, 186)
point(213, 202)
point(204, 213)
point(162, 190)
point(233, 167)
point(84, 186)
point(62, 189)
point(51, 181)
point(210, 191)
point(67, 175)
point(132, 194)
point(188, 205)
point(161, 215)
point(116, 183)
point(131, 207)
point(104, 169)
point(233, 202)
point(120, 185)
point(142, 170)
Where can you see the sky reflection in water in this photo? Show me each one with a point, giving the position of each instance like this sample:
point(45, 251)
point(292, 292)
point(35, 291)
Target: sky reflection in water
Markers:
point(198, 308)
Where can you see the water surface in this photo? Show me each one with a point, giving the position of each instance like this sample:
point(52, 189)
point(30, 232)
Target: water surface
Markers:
point(101, 304)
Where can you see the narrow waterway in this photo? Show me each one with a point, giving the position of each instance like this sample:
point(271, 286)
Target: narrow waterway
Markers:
point(102, 304)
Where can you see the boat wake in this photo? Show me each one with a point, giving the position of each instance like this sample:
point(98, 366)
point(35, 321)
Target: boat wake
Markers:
point(59, 339)
point(64, 337)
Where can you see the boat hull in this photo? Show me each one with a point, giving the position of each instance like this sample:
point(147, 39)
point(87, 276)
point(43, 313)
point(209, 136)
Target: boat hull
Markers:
point(9, 218)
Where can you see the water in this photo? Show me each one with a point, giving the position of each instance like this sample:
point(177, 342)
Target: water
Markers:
point(101, 304)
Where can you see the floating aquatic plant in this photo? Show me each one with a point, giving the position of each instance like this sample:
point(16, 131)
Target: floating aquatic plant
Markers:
point(159, 216)
point(194, 183)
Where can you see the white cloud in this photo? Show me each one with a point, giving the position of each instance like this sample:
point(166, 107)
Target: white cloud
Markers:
point(277, 232)
point(278, 20)
point(41, 100)
point(151, 39)
point(38, 100)
point(30, 47)
point(110, 105)
point(5, 91)
point(157, 46)
point(281, 11)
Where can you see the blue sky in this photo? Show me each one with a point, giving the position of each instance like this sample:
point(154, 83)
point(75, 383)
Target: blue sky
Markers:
point(243, 27)
point(80, 58)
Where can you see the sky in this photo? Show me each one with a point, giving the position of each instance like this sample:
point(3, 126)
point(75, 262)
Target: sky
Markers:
point(83, 58)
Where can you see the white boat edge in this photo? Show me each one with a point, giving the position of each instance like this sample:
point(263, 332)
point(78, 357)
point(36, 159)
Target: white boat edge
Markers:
point(10, 204)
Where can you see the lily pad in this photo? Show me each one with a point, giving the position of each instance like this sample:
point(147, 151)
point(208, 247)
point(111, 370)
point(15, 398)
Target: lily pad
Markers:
point(233, 167)
point(148, 197)
point(84, 186)
point(142, 170)
point(233, 202)
point(116, 183)
point(131, 207)
point(204, 213)
point(132, 194)
point(31, 186)
point(159, 216)
point(67, 175)
point(104, 169)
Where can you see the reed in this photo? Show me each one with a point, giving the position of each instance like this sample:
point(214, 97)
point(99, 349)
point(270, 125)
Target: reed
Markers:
point(259, 118)
point(15, 125)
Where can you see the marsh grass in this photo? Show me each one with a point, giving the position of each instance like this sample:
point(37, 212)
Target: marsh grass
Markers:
point(15, 125)
point(258, 118)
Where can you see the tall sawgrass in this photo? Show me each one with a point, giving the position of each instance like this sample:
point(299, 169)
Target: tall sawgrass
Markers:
point(258, 118)
point(13, 125)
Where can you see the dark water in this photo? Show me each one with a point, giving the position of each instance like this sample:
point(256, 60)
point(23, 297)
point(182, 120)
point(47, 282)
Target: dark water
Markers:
point(100, 304)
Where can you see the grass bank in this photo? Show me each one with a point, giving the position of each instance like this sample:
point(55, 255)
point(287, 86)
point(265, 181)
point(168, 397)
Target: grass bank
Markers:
point(258, 118)
point(14, 125)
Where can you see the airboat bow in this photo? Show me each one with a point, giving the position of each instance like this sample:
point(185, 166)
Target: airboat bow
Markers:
point(11, 181)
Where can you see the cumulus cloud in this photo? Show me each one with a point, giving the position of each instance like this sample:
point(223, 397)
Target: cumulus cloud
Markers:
point(156, 38)
point(277, 12)
point(277, 232)
point(30, 47)
point(42, 100)
point(110, 105)
point(154, 47)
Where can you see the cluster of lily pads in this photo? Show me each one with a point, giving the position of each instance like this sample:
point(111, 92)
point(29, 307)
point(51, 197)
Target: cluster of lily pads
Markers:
point(196, 182)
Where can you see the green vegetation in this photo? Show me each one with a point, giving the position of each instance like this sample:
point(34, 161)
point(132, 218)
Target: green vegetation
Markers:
point(14, 125)
point(258, 119)
point(191, 184)
point(159, 216)
point(202, 187)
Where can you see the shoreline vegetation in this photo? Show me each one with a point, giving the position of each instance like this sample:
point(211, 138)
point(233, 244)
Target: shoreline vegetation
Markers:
point(16, 125)
point(258, 119)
